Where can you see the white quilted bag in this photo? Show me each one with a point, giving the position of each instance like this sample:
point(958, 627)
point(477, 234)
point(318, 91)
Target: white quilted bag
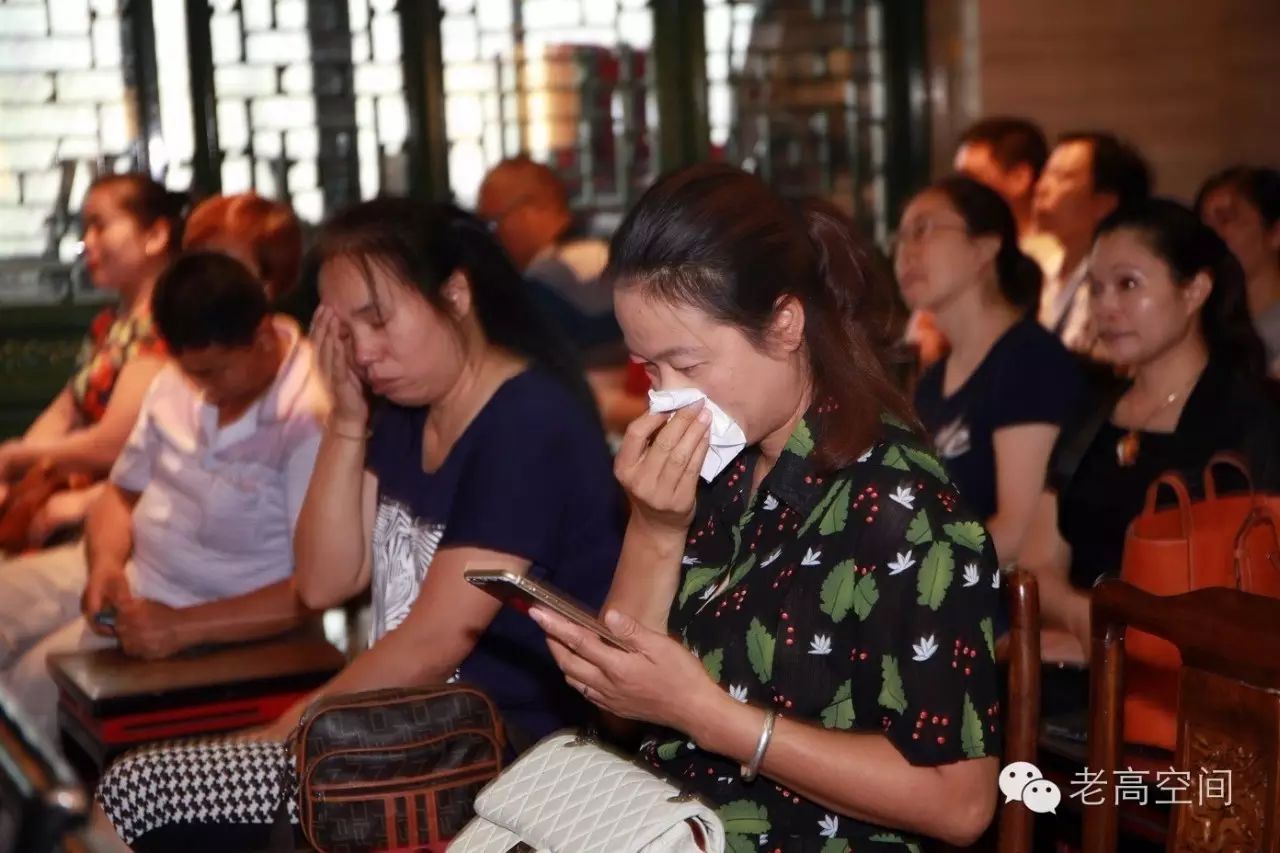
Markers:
point(570, 795)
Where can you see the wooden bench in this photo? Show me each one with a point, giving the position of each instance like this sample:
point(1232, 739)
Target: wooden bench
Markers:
point(110, 702)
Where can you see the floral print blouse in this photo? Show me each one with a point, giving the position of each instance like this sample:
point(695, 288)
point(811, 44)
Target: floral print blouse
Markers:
point(861, 601)
point(111, 342)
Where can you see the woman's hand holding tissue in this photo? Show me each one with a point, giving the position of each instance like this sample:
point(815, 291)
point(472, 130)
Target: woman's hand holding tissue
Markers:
point(658, 465)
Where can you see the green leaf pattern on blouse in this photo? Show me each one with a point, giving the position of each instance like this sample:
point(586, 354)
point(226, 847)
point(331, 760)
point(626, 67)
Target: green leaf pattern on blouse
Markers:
point(843, 600)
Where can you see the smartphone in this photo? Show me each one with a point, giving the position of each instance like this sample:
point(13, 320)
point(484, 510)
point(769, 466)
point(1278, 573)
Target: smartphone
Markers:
point(523, 592)
point(106, 617)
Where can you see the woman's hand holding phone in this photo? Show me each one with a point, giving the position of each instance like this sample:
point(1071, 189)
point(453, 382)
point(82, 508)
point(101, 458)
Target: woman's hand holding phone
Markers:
point(661, 682)
point(524, 593)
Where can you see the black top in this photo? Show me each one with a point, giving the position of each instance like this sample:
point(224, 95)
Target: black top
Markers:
point(1226, 411)
point(861, 600)
point(1027, 377)
point(529, 476)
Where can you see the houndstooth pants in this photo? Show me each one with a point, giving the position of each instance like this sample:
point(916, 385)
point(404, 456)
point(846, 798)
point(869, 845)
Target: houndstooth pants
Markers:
point(211, 780)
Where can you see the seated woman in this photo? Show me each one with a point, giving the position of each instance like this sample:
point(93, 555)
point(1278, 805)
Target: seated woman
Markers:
point(1243, 205)
point(484, 452)
point(837, 597)
point(995, 404)
point(1168, 299)
point(263, 235)
point(132, 227)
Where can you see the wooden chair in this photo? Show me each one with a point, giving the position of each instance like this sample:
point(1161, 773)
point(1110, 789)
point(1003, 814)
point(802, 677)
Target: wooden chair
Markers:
point(1012, 830)
point(1022, 712)
point(1228, 712)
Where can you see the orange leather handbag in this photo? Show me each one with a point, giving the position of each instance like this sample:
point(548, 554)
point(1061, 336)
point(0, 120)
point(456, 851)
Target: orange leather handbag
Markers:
point(25, 499)
point(1221, 540)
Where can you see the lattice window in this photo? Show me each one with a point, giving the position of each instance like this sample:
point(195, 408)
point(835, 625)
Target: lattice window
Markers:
point(566, 81)
point(796, 93)
point(381, 115)
point(309, 102)
point(728, 33)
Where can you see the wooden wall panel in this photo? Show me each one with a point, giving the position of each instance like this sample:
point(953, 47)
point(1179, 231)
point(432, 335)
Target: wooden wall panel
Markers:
point(1194, 83)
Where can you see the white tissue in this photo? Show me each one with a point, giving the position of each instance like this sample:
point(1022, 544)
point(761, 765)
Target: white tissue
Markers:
point(727, 438)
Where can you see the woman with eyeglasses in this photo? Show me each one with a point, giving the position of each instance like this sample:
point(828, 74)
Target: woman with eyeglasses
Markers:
point(995, 404)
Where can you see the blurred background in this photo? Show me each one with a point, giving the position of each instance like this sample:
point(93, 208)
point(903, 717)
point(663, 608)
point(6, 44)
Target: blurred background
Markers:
point(323, 102)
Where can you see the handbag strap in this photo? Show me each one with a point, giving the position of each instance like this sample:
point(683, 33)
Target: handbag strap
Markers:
point(1260, 515)
point(1179, 488)
point(1227, 459)
point(1075, 441)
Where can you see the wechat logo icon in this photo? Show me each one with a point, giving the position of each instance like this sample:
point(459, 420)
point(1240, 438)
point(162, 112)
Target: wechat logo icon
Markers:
point(1023, 782)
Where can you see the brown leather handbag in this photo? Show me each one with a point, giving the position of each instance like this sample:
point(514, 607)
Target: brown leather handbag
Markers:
point(389, 769)
point(1221, 540)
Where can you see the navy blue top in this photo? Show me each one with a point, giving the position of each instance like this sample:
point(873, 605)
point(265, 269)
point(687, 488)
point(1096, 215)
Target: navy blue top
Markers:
point(530, 476)
point(1028, 377)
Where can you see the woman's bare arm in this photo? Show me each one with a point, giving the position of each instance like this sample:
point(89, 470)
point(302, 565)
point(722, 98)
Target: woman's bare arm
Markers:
point(94, 449)
point(332, 550)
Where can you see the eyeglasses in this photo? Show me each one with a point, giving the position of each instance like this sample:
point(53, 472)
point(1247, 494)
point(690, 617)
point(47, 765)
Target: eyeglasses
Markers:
point(923, 230)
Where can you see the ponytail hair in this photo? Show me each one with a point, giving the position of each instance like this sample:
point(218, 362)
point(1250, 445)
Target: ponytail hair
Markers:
point(148, 202)
point(987, 214)
point(423, 245)
point(717, 239)
point(1189, 247)
point(858, 275)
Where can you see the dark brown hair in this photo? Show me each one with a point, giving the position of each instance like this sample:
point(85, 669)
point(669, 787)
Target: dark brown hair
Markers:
point(1013, 141)
point(1177, 236)
point(1117, 167)
point(423, 245)
point(717, 239)
point(1258, 185)
point(986, 213)
point(147, 202)
point(208, 299)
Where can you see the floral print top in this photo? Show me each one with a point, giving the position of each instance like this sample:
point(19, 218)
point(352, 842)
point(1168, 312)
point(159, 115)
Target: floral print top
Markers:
point(861, 601)
point(111, 342)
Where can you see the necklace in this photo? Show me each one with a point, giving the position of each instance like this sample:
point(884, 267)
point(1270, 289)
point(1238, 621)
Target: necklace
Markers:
point(1130, 443)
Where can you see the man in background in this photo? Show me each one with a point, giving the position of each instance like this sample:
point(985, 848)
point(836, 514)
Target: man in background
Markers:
point(1008, 154)
point(1088, 175)
point(528, 207)
point(191, 541)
